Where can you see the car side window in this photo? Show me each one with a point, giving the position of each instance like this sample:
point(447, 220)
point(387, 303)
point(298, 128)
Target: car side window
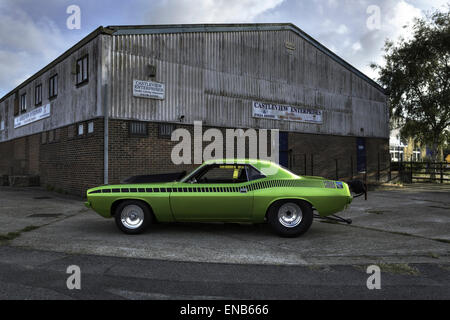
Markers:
point(222, 174)
point(254, 174)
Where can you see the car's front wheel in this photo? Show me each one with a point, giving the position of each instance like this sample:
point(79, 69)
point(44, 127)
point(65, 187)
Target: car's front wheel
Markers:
point(290, 218)
point(132, 217)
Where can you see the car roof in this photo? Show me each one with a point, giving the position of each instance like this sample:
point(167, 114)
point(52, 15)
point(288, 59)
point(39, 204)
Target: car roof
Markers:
point(240, 161)
point(267, 167)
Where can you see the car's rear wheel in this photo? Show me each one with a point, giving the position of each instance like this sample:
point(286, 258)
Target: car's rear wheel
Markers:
point(290, 218)
point(132, 217)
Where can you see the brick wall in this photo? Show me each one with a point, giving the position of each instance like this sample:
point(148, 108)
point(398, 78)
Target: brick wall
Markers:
point(70, 162)
point(152, 154)
point(133, 155)
point(15, 156)
point(322, 151)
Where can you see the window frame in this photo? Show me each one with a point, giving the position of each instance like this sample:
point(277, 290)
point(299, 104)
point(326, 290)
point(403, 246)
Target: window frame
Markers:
point(203, 170)
point(80, 125)
point(23, 103)
point(82, 70)
point(137, 134)
point(36, 101)
point(89, 124)
point(53, 90)
point(163, 135)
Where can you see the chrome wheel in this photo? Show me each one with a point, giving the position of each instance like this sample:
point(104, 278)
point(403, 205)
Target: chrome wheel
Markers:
point(290, 215)
point(132, 216)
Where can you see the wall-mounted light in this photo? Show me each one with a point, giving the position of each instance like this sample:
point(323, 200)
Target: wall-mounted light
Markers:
point(151, 71)
point(181, 118)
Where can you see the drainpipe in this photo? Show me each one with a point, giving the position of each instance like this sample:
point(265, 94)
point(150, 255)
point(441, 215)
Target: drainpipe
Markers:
point(105, 137)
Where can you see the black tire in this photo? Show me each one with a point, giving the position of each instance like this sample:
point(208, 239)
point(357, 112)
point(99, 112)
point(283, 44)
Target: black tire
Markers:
point(297, 228)
point(125, 213)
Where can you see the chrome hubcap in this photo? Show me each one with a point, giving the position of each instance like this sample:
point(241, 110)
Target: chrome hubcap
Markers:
point(132, 216)
point(290, 215)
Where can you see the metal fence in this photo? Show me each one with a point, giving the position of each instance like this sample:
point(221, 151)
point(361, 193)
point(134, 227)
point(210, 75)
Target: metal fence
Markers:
point(410, 172)
point(377, 172)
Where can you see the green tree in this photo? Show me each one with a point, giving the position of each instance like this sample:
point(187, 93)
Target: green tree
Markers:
point(416, 76)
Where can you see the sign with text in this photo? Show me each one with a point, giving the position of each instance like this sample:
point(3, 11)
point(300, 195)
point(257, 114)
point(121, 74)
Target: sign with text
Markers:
point(286, 112)
point(32, 116)
point(148, 89)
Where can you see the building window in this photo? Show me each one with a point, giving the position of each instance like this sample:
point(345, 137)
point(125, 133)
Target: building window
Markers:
point(82, 70)
point(80, 129)
point(23, 103)
point(91, 127)
point(396, 153)
point(53, 86)
point(166, 129)
point(138, 128)
point(38, 95)
point(2, 124)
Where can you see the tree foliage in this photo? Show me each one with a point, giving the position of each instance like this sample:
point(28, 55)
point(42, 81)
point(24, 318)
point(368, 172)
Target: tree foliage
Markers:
point(416, 76)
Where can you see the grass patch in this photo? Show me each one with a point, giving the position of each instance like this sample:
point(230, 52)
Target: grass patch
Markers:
point(375, 211)
point(394, 268)
point(9, 236)
point(29, 228)
point(400, 268)
point(434, 255)
point(442, 240)
point(12, 235)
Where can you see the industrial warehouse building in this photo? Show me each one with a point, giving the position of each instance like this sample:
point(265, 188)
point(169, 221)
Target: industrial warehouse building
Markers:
point(151, 80)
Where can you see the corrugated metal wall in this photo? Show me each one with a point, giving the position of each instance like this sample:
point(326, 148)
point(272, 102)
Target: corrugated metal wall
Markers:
point(214, 77)
point(73, 104)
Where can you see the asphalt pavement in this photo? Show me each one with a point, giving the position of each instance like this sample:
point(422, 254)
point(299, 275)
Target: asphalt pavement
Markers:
point(404, 231)
point(32, 274)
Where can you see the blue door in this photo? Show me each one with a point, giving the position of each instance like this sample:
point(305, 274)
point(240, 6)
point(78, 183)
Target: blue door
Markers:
point(361, 154)
point(284, 149)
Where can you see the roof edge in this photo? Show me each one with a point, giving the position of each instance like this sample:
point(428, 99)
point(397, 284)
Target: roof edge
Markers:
point(60, 58)
point(180, 28)
point(183, 28)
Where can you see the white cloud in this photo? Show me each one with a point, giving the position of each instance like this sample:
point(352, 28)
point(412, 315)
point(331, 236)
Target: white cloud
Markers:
point(342, 29)
point(25, 45)
point(357, 46)
point(398, 20)
point(209, 11)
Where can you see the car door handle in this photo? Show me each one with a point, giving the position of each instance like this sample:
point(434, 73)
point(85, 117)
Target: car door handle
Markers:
point(243, 190)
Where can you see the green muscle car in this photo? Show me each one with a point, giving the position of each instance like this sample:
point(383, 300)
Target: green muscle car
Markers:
point(250, 191)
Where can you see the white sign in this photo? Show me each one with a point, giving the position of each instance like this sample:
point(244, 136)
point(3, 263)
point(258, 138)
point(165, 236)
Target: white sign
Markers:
point(286, 112)
point(32, 116)
point(148, 89)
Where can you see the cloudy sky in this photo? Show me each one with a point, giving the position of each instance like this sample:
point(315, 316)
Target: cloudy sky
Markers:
point(34, 32)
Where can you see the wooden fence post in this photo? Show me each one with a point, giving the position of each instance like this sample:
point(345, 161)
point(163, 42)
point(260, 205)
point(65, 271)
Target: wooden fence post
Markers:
point(411, 171)
point(390, 169)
